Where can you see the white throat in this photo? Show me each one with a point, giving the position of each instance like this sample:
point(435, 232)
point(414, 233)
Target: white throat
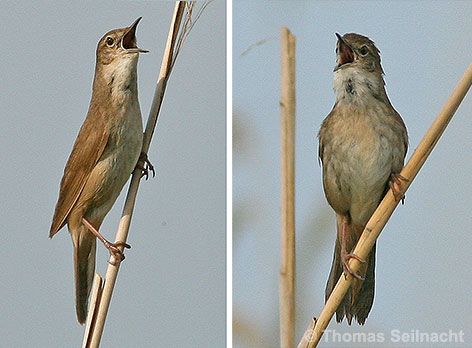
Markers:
point(121, 73)
point(121, 77)
point(355, 85)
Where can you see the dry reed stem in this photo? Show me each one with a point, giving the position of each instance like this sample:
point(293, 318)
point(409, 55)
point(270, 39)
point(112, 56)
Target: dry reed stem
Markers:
point(97, 315)
point(287, 139)
point(94, 301)
point(381, 215)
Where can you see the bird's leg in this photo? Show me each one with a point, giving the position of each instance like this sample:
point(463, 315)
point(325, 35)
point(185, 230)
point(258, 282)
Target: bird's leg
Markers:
point(145, 165)
point(397, 179)
point(112, 247)
point(345, 256)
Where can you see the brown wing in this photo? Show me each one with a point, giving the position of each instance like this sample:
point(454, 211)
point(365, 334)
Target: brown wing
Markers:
point(404, 131)
point(92, 138)
point(399, 119)
point(324, 125)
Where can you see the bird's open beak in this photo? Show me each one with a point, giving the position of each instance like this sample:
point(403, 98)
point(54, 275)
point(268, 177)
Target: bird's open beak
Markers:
point(344, 51)
point(128, 42)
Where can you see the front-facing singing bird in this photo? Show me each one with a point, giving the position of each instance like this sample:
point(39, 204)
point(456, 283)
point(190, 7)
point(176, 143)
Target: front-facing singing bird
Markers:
point(362, 146)
point(105, 153)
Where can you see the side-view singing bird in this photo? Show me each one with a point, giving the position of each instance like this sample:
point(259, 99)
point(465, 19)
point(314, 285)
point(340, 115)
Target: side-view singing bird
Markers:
point(105, 153)
point(362, 145)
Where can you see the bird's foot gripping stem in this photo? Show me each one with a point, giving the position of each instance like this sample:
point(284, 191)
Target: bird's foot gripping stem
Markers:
point(113, 248)
point(396, 179)
point(345, 259)
point(145, 165)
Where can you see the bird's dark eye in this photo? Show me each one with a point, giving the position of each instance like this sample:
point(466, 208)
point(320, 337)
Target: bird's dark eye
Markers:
point(110, 41)
point(364, 50)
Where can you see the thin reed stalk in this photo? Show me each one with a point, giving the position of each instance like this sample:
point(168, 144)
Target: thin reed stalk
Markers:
point(287, 139)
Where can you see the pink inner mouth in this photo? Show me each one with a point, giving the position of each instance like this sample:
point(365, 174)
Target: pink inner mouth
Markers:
point(345, 55)
point(129, 40)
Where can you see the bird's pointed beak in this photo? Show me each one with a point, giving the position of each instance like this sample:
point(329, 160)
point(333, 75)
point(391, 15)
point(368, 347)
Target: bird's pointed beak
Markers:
point(344, 52)
point(128, 42)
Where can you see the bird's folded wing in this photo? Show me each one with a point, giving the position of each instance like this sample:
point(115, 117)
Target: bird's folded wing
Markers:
point(88, 149)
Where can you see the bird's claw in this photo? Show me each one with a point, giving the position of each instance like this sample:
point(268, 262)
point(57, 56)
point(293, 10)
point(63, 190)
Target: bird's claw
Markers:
point(145, 165)
point(397, 194)
point(115, 252)
point(348, 269)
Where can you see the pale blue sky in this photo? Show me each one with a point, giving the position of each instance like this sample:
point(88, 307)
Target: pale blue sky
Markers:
point(171, 287)
point(422, 276)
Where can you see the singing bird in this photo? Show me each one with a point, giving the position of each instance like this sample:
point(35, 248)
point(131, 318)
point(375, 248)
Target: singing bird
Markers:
point(362, 145)
point(105, 153)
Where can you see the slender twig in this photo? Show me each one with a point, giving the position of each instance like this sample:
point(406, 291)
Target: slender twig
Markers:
point(381, 215)
point(258, 43)
point(166, 68)
point(189, 22)
point(287, 139)
point(97, 315)
point(94, 298)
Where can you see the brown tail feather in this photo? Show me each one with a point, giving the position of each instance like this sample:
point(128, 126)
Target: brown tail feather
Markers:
point(359, 298)
point(84, 265)
point(365, 299)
